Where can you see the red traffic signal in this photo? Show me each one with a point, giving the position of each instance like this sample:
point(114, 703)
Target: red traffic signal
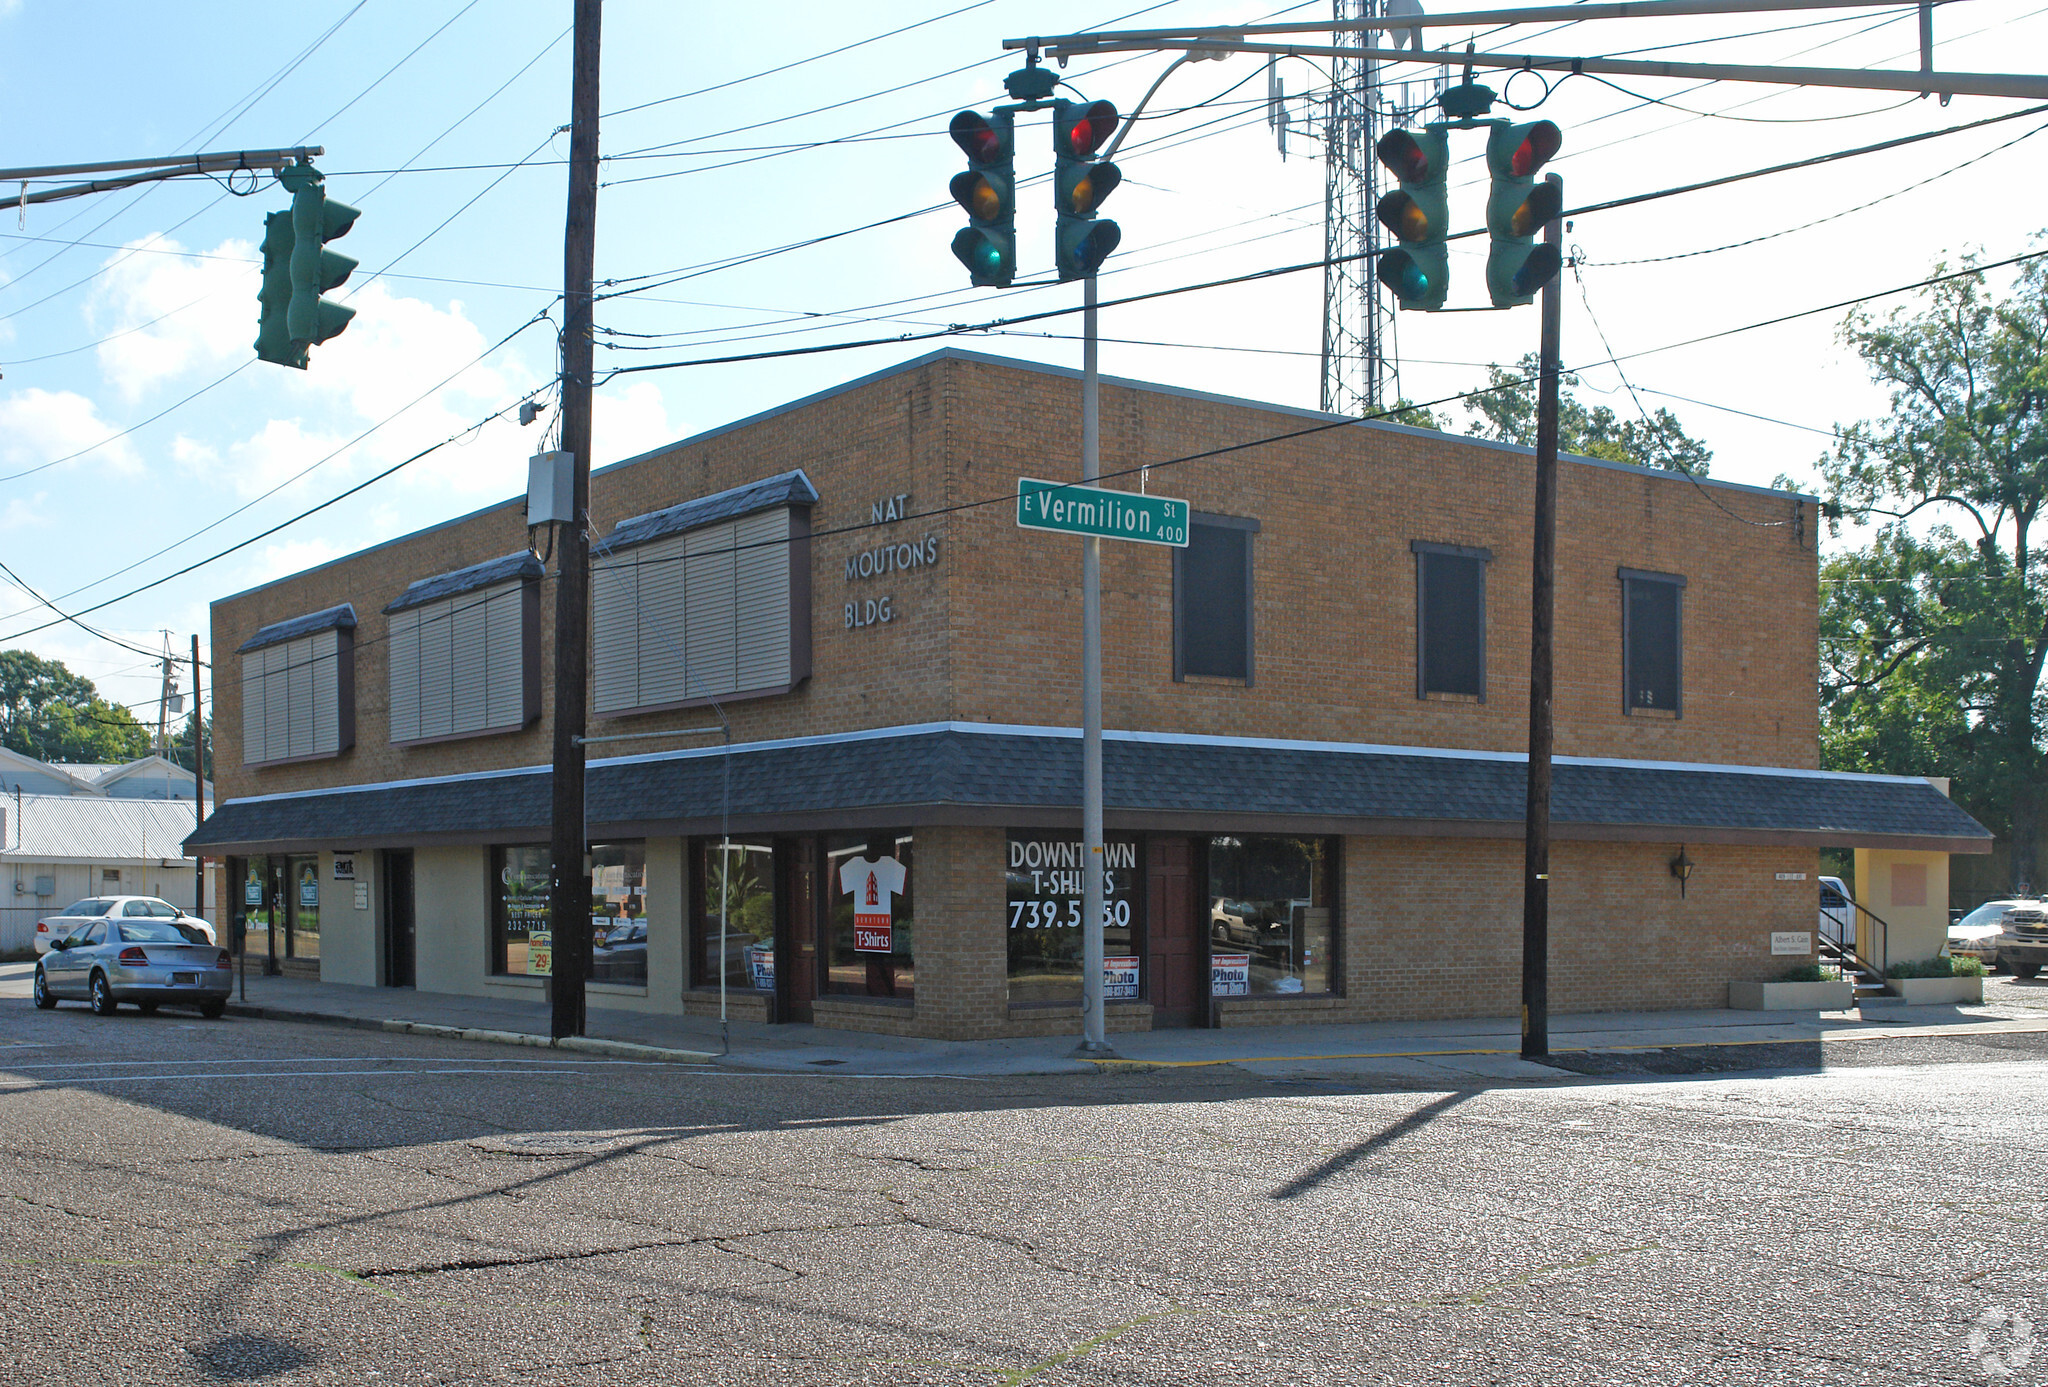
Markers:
point(978, 139)
point(1092, 125)
point(1540, 140)
point(1400, 151)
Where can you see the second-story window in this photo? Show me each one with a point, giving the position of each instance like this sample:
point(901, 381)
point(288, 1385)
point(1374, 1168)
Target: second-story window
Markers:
point(1652, 641)
point(298, 688)
point(1212, 599)
point(465, 652)
point(1450, 619)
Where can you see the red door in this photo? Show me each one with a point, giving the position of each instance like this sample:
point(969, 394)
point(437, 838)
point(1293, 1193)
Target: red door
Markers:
point(1180, 951)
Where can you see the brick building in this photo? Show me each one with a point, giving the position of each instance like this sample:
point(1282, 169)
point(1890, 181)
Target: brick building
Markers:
point(1317, 708)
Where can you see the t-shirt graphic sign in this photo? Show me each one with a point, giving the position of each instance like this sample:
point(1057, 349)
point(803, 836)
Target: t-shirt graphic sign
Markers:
point(874, 884)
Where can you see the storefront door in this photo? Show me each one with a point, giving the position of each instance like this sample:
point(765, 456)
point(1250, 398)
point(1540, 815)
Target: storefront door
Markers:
point(261, 893)
point(302, 907)
point(399, 931)
point(1179, 945)
point(797, 975)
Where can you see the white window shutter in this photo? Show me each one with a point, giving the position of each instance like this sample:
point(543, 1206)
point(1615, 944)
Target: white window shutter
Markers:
point(761, 600)
point(404, 656)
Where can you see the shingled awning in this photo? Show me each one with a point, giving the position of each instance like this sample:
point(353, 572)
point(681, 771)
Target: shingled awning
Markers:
point(1029, 777)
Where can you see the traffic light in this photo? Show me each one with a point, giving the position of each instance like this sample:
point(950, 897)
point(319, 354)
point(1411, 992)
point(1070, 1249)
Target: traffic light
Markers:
point(298, 269)
point(987, 245)
point(1518, 207)
point(1418, 270)
point(1081, 183)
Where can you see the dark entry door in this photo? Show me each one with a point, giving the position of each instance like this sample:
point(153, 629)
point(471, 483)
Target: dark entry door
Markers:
point(797, 977)
point(1179, 948)
point(400, 937)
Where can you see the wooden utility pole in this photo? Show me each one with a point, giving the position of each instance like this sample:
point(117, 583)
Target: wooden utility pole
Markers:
point(569, 887)
point(1542, 639)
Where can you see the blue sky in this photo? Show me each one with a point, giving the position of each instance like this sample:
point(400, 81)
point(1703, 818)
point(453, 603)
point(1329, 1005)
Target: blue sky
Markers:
point(134, 418)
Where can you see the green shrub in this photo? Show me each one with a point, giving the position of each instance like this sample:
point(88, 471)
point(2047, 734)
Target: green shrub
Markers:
point(1813, 972)
point(1943, 966)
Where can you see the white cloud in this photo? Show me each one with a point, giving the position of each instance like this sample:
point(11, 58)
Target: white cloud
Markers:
point(24, 513)
point(629, 421)
point(173, 312)
point(39, 426)
point(292, 556)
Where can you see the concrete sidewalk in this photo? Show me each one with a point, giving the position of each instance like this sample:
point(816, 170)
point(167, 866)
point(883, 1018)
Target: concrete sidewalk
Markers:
point(1455, 1051)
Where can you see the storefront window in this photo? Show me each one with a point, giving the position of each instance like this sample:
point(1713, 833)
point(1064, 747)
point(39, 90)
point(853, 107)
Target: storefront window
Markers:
point(302, 878)
point(736, 886)
point(1269, 915)
point(618, 913)
point(520, 940)
point(872, 921)
point(1043, 916)
point(256, 899)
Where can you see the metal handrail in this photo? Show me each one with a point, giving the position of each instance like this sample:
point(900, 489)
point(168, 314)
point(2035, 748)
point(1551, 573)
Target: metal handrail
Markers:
point(1884, 949)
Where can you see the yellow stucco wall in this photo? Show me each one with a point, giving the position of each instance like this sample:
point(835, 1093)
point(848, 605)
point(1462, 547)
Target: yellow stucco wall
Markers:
point(1909, 891)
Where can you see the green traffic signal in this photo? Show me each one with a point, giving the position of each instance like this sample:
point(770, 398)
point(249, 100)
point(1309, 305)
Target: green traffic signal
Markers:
point(298, 269)
point(1081, 183)
point(1418, 270)
point(1517, 208)
point(987, 191)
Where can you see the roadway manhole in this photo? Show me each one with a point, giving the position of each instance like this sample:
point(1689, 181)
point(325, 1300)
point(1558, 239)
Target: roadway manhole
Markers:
point(544, 1144)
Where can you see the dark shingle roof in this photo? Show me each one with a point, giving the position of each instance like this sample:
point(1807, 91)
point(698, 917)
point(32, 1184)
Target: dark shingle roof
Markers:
point(949, 774)
point(787, 489)
point(524, 564)
point(277, 632)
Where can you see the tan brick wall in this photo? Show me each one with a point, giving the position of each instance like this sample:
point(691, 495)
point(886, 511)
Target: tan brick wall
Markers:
point(992, 632)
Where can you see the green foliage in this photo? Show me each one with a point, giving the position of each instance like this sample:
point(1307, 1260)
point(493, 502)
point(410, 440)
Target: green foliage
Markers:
point(1813, 972)
point(50, 713)
point(1506, 413)
point(1405, 411)
point(1933, 637)
point(1943, 966)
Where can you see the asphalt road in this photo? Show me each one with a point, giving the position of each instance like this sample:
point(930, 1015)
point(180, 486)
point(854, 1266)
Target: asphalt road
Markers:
point(198, 1201)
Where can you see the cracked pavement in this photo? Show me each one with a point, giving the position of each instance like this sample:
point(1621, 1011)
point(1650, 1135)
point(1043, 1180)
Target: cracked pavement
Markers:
point(247, 1201)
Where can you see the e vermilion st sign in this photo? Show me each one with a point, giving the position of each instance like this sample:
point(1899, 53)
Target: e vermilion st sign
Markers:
point(1074, 509)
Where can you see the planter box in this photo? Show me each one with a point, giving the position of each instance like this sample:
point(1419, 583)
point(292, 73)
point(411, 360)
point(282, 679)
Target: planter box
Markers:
point(1794, 996)
point(1936, 992)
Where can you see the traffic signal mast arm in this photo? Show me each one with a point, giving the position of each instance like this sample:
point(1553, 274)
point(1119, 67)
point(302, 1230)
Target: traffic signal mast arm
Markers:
point(151, 171)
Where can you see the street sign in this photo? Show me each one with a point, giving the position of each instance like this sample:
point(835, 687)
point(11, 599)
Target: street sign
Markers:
point(1090, 510)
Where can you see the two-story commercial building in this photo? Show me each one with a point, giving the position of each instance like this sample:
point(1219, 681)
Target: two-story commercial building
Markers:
point(1317, 713)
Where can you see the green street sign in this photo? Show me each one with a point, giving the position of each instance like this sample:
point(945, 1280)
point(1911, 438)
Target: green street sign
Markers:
point(1075, 509)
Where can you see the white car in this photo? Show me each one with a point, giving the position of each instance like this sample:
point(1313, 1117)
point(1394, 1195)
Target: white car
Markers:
point(55, 927)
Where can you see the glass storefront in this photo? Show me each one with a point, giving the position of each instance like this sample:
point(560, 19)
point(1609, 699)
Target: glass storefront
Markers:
point(871, 923)
point(520, 941)
point(1269, 914)
point(1043, 918)
point(258, 899)
point(302, 907)
point(618, 913)
point(736, 913)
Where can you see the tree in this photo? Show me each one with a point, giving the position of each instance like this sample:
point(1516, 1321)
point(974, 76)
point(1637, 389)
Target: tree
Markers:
point(1934, 637)
point(50, 713)
point(1506, 413)
point(1406, 411)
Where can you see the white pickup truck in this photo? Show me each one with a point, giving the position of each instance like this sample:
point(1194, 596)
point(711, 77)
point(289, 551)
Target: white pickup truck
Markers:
point(1837, 916)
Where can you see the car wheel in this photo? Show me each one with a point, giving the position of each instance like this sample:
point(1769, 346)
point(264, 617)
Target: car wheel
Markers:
point(45, 999)
point(2025, 970)
point(103, 1003)
point(146, 1008)
point(213, 1011)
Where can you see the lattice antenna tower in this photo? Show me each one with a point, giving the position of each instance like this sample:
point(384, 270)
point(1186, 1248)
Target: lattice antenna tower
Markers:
point(1361, 360)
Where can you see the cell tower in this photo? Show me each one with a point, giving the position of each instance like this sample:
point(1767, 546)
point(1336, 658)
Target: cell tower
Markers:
point(1361, 363)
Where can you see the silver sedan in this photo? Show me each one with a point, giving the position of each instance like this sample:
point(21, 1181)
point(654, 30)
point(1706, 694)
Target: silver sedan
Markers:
point(144, 961)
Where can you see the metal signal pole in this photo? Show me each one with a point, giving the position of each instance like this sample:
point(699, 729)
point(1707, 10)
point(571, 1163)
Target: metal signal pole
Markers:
point(569, 884)
point(1542, 639)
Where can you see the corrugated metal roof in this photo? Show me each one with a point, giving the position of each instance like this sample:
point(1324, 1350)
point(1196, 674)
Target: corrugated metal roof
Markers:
point(785, 489)
point(58, 828)
point(280, 631)
point(524, 564)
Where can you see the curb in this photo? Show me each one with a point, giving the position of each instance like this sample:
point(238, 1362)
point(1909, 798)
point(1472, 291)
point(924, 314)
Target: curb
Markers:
point(580, 1044)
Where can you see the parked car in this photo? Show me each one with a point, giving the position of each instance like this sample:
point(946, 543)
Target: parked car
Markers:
point(1978, 933)
point(55, 927)
point(1837, 916)
point(141, 959)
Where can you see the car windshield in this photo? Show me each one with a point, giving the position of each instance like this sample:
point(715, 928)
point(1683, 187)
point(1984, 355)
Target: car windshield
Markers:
point(87, 907)
point(158, 932)
point(1990, 913)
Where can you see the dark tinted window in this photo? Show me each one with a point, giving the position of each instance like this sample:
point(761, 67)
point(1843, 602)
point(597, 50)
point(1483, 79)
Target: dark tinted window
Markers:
point(89, 907)
point(1451, 623)
point(1212, 589)
point(1651, 642)
point(158, 932)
